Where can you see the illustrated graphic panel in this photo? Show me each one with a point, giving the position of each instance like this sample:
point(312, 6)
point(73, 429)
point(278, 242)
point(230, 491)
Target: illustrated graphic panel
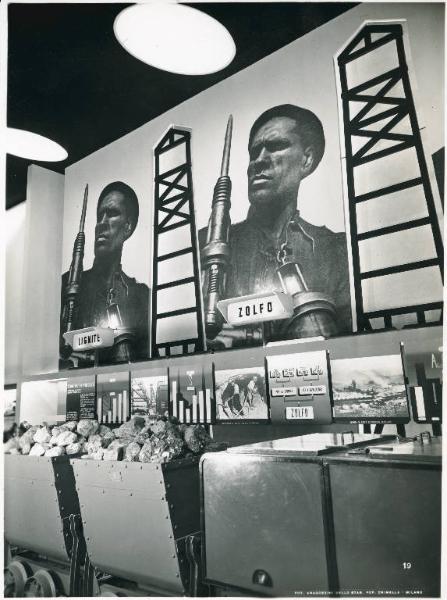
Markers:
point(396, 242)
point(177, 326)
point(113, 398)
point(191, 393)
point(299, 387)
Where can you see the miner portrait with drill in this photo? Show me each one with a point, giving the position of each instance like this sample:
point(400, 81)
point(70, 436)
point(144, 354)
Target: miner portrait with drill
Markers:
point(274, 248)
point(104, 296)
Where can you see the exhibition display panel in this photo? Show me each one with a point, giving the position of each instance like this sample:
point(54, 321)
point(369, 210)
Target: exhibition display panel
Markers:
point(229, 372)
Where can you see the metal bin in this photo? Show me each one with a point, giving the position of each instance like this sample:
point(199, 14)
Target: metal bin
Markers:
point(387, 519)
point(266, 521)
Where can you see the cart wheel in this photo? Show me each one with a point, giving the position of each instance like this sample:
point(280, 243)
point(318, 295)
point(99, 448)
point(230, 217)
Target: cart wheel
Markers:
point(41, 585)
point(15, 576)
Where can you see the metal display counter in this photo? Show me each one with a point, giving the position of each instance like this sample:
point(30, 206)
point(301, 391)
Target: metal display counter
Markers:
point(141, 524)
point(266, 515)
point(387, 518)
point(324, 514)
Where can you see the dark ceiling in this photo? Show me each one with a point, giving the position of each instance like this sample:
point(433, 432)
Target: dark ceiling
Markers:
point(70, 80)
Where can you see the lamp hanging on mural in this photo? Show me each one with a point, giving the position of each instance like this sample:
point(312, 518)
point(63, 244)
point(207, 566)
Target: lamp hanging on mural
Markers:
point(175, 38)
point(33, 146)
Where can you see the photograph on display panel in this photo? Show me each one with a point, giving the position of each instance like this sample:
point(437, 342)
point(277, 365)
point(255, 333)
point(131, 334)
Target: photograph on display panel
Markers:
point(104, 295)
point(370, 389)
point(149, 393)
point(241, 395)
point(274, 248)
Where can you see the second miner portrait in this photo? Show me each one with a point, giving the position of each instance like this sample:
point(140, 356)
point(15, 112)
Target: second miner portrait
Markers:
point(104, 295)
point(274, 248)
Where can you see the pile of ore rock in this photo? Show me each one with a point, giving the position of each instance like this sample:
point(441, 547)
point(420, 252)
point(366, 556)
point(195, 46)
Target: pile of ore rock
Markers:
point(143, 439)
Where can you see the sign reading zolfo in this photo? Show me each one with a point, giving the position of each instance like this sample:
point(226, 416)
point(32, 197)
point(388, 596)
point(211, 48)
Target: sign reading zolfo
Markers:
point(254, 308)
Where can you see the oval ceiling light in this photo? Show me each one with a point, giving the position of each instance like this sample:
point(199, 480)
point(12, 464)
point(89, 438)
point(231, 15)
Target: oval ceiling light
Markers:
point(33, 146)
point(175, 38)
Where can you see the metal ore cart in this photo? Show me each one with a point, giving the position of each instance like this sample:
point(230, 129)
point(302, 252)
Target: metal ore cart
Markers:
point(141, 524)
point(80, 527)
point(44, 551)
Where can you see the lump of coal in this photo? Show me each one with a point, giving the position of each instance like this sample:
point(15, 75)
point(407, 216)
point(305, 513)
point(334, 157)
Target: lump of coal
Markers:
point(133, 451)
point(103, 430)
point(94, 444)
point(115, 453)
point(42, 435)
point(73, 448)
point(196, 438)
point(70, 425)
point(142, 437)
point(11, 444)
point(107, 439)
point(116, 444)
point(66, 437)
point(37, 450)
point(98, 454)
point(27, 437)
point(55, 432)
point(87, 427)
point(146, 452)
point(159, 427)
point(84, 448)
point(130, 428)
point(55, 451)
point(166, 446)
point(26, 448)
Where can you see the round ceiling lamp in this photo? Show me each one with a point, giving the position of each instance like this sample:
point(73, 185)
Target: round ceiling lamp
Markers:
point(174, 38)
point(33, 146)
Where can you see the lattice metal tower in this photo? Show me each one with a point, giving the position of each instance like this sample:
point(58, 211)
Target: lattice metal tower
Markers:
point(396, 241)
point(177, 324)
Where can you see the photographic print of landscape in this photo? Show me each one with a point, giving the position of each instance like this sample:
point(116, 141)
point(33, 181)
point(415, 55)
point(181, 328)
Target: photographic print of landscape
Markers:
point(369, 389)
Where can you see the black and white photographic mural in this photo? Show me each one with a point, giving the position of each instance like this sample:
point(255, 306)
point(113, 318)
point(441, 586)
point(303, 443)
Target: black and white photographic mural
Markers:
point(370, 389)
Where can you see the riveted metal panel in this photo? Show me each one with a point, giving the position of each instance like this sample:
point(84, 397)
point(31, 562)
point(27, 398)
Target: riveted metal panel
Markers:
point(392, 530)
point(32, 515)
point(126, 522)
point(262, 513)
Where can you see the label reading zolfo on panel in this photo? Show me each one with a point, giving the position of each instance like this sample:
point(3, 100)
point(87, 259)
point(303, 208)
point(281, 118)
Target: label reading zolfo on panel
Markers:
point(299, 412)
point(283, 391)
point(311, 390)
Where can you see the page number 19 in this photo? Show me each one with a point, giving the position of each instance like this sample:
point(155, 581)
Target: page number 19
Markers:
point(406, 565)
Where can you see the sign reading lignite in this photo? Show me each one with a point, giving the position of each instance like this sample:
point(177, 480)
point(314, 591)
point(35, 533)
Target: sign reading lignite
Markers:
point(268, 306)
point(90, 338)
